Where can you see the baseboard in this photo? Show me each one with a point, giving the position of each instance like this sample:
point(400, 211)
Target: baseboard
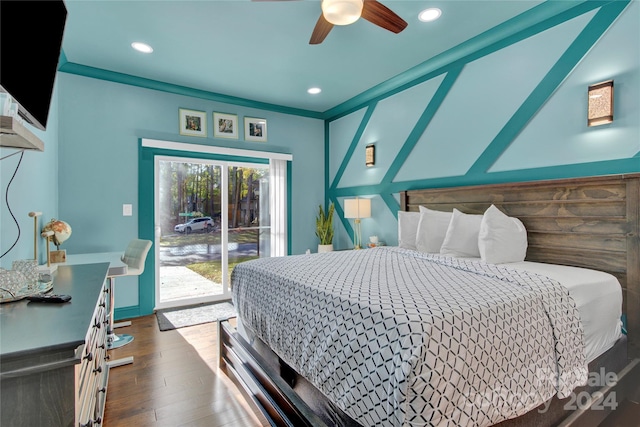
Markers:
point(126, 313)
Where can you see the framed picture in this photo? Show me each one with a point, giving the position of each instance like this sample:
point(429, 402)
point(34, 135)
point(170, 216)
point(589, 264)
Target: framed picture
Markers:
point(193, 123)
point(225, 125)
point(255, 129)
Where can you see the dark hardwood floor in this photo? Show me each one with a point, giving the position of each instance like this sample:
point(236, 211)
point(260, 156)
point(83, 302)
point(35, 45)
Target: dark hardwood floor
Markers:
point(627, 414)
point(175, 381)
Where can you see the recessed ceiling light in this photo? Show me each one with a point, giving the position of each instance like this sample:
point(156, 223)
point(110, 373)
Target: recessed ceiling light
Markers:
point(430, 14)
point(314, 90)
point(142, 47)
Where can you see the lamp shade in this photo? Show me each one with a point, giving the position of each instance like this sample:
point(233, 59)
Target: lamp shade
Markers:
point(357, 208)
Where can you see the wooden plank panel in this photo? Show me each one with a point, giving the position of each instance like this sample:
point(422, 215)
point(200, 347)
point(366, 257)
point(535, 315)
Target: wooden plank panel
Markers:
point(622, 278)
point(633, 261)
point(591, 225)
point(611, 243)
point(609, 262)
point(615, 209)
point(613, 191)
point(633, 320)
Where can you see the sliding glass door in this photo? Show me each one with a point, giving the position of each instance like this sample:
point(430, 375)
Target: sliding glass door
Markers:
point(209, 216)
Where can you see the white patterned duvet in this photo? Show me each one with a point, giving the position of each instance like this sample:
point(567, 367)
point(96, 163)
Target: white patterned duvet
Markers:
point(396, 337)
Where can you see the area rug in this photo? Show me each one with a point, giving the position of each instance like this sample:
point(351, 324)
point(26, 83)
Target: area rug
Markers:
point(181, 317)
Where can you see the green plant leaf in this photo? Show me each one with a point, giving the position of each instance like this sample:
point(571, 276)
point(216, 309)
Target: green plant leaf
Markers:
point(324, 224)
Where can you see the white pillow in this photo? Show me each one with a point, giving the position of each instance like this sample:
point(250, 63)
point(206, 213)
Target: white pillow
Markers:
point(461, 239)
point(432, 228)
point(502, 239)
point(407, 229)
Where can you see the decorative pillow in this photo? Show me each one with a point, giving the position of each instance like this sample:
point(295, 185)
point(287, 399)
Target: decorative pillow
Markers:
point(432, 228)
point(502, 239)
point(407, 229)
point(461, 239)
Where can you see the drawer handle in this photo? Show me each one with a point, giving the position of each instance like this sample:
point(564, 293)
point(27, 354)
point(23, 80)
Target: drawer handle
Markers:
point(97, 325)
point(98, 420)
point(97, 370)
point(102, 346)
point(102, 304)
point(102, 390)
point(88, 424)
point(88, 357)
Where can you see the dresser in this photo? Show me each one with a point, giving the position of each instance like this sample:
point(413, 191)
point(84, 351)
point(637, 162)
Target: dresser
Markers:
point(53, 357)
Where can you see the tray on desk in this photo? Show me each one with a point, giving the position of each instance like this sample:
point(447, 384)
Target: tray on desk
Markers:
point(28, 290)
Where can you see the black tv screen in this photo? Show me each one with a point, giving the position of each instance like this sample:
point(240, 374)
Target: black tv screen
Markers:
point(31, 35)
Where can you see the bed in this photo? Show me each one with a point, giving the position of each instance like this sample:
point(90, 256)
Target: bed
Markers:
point(579, 224)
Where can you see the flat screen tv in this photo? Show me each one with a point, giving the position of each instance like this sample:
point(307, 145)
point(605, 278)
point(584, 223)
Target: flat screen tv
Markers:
point(31, 35)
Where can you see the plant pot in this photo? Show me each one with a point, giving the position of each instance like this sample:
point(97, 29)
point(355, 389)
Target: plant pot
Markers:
point(325, 248)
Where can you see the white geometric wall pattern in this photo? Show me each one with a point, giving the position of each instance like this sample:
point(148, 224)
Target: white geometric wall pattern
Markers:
point(342, 132)
point(391, 123)
point(482, 100)
point(582, 144)
point(507, 104)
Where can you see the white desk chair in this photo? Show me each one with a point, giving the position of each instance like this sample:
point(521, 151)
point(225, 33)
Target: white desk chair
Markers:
point(134, 257)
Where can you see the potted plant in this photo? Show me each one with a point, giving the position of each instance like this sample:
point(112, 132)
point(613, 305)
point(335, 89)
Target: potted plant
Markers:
point(324, 228)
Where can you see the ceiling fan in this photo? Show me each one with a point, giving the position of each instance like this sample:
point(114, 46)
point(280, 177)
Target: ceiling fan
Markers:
point(345, 12)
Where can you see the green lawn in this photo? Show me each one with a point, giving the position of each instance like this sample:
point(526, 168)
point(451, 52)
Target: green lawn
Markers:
point(213, 238)
point(211, 269)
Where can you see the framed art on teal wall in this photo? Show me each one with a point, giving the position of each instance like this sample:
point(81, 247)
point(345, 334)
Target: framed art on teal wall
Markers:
point(193, 123)
point(225, 125)
point(255, 129)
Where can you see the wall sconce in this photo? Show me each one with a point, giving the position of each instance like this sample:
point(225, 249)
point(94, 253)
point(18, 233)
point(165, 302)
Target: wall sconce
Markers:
point(370, 155)
point(600, 103)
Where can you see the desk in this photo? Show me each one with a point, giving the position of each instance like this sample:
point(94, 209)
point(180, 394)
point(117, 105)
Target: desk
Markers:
point(116, 266)
point(47, 378)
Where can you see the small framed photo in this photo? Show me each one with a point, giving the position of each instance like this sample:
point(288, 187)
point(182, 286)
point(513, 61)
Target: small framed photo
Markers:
point(193, 123)
point(225, 125)
point(255, 129)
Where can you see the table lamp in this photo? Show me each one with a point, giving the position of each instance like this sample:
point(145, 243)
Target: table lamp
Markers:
point(357, 209)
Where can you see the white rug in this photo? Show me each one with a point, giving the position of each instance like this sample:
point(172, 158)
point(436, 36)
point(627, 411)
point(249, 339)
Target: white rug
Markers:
point(174, 318)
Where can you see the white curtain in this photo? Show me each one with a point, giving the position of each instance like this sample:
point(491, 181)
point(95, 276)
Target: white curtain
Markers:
point(278, 204)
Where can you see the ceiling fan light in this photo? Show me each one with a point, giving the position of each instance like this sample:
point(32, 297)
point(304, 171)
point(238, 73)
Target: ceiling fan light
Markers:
point(342, 12)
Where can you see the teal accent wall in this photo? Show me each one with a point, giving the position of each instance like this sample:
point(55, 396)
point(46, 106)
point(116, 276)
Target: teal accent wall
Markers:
point(514, 109)
point(101, 125)
point(34, 188)
point(506, 106)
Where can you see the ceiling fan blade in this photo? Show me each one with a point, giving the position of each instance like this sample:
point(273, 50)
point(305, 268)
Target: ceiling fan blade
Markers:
point(380, 15)
point(321, 30)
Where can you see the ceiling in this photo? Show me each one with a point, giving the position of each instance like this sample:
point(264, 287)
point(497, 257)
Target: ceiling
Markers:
point(260, 51)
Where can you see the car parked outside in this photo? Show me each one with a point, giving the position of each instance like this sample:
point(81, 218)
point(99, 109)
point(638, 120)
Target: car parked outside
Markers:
point(204, 223)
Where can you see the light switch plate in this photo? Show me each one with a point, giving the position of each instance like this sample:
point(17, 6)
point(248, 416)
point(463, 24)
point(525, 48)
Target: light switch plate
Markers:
point(127, 209)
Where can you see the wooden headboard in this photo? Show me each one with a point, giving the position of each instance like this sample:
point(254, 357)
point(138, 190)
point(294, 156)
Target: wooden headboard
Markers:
point(589, 222)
